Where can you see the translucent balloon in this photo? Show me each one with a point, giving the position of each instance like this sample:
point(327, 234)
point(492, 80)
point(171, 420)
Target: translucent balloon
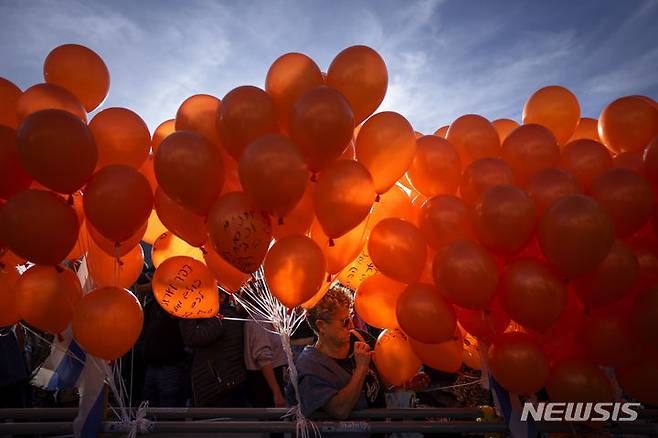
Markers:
point(199, 114)
point(321, 123)
point(518, 363)
point(576, 234)
point(228, 277)
point(395, 360)
point(442, 131)
point(345, 248)
point(118, 201)
point(445, 356)
point(299, 219)
point(529, 149)
point(239, 231)
point(57, 149)
point(246, 113)
point(288, 79)
point(47, 297)
point(393, 204)
point(554, 107)
point(630, 160)
point(184, 223)
point(147, 169)
point(376, 300)
point(474, 137)
point(483, 174)
point(577, 380)
point(466, 274)
point(548, 185)
point(628, 124)
point(358, 271)
point(425, 315)
point(163, 131)
point(587, 128)
point(8, 298)
point(360, 74)
point(167, 245)
point(9, 95)
point(343, 196)
point(107, 270)
point(48, 96)
point(154, 228)
point(504, 128)
point(386, 146)
point(121, 137)
point(485, 324)
point(190, 171)
point(436, 168)
point(644, 315)
point(273, 174)
point(13, 176)
point(111, 247)
point(397, 249)
point(39, 226)
point(444, 219)
point(585, 159)
point(651, 161)
point(294, 269)
point(640, 380)
point(108, 310)
point(504, 219)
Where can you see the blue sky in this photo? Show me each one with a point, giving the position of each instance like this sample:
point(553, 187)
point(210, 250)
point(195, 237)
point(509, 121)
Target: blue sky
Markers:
point(445, 58)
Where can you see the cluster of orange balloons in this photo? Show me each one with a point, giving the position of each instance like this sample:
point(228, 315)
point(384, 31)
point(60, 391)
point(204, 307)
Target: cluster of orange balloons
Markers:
point(532, 242)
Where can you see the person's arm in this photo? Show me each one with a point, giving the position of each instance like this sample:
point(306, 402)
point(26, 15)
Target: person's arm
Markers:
point(268, 373)
point(340, 406)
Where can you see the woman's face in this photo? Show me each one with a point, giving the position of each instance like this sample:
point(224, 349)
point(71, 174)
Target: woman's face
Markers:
point(336, 328)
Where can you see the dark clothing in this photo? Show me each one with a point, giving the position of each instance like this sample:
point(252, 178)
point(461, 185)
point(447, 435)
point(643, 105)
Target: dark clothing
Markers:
point(260, 394)
point(166, 385)
point(14, 373)
point(163, 342)
point(218, 365)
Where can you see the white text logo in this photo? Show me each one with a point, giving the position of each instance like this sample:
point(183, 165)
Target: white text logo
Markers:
point(543, 411)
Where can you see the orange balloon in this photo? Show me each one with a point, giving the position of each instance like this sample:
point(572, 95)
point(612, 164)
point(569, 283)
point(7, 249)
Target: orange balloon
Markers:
point(13, 176)
point(79, 70)
point(121, 136)
point(47, 296)
point(154, 228)
point(646, 251)
point(81, 245)
point(445, 356)
point(473, 137)
point(611, 279)
point(504, 128)
point(532, 294)
point(630, 160)
point(548, 185)
point(246, 114)
point(470, 353)
point(425, 315)
point(577, 380)
point(358, 271)
point(148, 171)
point(273, 174)
point(57, 149)
point(111, 271)
point(587, 128)
point(626, 196)
point(186, 288)
point(164, 130)
point(376, 300)
point(231, 173)
point(529, 149)
point(504, 219)
point(397, 249)
point(360, 74)
point(650, 158)
point(48, 96)
point(436, 168)
point(485, 324)
point(9, 95)
point(343, 196)
point(640, 380)
point(111, 247)
point(8, 298)
point(199, 114)
point(518, 363)
point(239, 232)
point(607, 337)
point(444, 219)
point(442, 131)
point(107, 322)
point(288, 79)
point(554, 107)
point(395, 360)
point(321, 123)
point(628, 124)
point(576, 234)
point(294, 270)
point(644, 315)
point(190, 170)
point(168, 245)
point(345, 249)
point(229, 278)
point(184, 223)
point(8, 258)
point(585, 159)
point(300, 218)
point(393, 204)
point(39, 226)
point(483, 174)
point(118, 201)
point(386, 146)
point(466, 274)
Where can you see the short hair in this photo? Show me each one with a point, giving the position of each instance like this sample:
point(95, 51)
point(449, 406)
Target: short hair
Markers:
point(337, 296)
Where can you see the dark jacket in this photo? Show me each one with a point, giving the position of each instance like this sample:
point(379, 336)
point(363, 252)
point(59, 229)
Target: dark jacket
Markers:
point(162, 340)
point(218, 364)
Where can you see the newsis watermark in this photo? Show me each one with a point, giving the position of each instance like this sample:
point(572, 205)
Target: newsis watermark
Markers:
point(571, 411)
